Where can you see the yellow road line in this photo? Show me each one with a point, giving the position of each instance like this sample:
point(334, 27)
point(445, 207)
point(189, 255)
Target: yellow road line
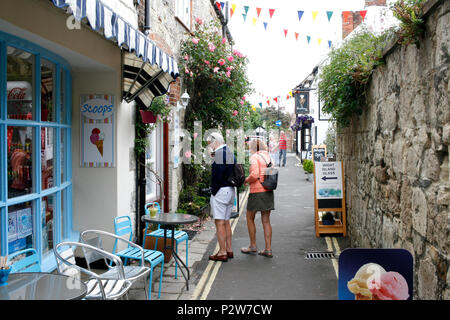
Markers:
point(205, 282)
point(333, 261)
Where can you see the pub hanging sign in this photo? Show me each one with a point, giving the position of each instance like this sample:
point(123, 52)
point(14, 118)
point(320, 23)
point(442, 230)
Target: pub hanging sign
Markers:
point(301, 102)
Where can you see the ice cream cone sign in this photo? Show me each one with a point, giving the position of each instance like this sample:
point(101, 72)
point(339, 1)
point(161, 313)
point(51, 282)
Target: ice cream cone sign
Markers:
point(97, 139)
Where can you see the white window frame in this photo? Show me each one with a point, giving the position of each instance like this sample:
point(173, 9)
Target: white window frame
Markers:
point(156, 160)
point(183, 9)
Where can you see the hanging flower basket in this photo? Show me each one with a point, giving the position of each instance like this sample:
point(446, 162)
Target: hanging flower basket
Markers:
point(302, 122)
point(148, 116)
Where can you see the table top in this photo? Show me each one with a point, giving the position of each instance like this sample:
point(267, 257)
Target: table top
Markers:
point(170, 218)
point(42, 286)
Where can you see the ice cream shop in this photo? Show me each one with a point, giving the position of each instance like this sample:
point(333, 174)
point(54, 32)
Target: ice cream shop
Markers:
point(66, 135)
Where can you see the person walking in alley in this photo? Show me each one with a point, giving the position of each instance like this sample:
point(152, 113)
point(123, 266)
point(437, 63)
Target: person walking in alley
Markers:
point(282, 145)
point(222, 195)
point(259, 199)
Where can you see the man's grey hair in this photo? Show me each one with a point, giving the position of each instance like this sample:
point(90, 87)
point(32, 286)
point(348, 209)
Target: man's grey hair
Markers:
point(215, 138)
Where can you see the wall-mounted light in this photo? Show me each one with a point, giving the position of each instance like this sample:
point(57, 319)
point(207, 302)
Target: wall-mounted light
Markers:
point(184, 101)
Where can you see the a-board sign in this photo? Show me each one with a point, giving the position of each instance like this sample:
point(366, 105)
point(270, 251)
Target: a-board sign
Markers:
point(318, 152)
point(328, 180)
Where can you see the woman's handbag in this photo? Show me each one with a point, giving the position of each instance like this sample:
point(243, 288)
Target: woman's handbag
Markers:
point(270, 176)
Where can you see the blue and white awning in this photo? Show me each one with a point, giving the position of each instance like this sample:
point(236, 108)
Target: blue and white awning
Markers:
point(104, 20)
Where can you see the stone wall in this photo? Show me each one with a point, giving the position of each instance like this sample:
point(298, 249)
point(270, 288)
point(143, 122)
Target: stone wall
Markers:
point(396, 157)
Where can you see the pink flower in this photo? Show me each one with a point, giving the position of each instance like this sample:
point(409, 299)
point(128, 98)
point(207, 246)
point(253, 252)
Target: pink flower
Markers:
point(191, 74)
point(195, 135)
point(194, 40)
point(188, 154)
point(224, 40)
point(235, 113)
point(186, 70)
point(207, 62)
point(199, 21)
point(221, 62)
point(186, 57)
point(211, 47)
point(243, 98)
point(230, 58)
point(242, 102)
point(216, 69)
point(228, 74)
point(230, 68)
point(237, 53)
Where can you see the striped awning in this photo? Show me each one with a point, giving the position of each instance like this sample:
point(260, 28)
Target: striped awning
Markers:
point(148, 70)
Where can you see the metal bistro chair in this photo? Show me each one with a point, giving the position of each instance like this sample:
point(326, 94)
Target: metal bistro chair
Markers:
point(29, 263)
point(159, 233)
point(134, 251)
point(122, 227)
point(110, 285)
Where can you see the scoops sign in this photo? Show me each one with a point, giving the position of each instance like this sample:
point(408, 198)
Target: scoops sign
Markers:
point(97, 109)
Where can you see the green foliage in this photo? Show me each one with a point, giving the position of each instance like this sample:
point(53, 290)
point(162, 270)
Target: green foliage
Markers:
point(308, 166)
point(411, 24)
point(191, 202)
point(343, 80)
point(330, 138)
point(271, 115)
point(160, 107)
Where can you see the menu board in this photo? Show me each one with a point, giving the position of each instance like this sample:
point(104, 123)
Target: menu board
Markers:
point(319, 152)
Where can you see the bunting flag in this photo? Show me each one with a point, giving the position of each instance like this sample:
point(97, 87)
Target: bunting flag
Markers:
point(218, 5)
point(258, 11)
point(329, 14)
point(329, 43)
point(300, 14)
point(260, 104)
point(276, 99)
point(254, 21)
point(222, 4)
point(319, 41)
point(233, 6)
point(271, 12)
point(308, 38)
point(314, 15)
point(245, 16)
point(363, 14)
point(265, 25)
point(296, 35)
point(268, 102)
point(246, 9)
point(285, 33)
point(345, 15)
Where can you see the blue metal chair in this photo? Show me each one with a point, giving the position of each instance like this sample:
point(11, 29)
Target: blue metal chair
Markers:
point(122, 226)
point(29, 263)
point(159, 233)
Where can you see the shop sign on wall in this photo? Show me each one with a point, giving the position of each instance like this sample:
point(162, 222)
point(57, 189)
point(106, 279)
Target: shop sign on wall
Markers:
point(97, 130)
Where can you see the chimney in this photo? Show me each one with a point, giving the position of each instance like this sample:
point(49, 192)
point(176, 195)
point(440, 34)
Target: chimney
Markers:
point(352, 19)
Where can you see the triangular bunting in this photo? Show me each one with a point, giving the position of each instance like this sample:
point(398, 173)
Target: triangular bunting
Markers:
point(222, 4)
point(265, 25)
point(231, 12)
point(260, 104)
point(363, 14)
point(246, 9)
point(233, 6)
point(245, 16)
point(308, 38)
point(268, 102)
point(285, 32)
point(296, 35)
point(329, 43)
point(254, 21)
point(345, 14)
point(329, 14)
point(314, 15)
point(258, 11)
point(319, 41)
point(271, 12)
point(276, 99)
point(300, 14)
point(218, 5)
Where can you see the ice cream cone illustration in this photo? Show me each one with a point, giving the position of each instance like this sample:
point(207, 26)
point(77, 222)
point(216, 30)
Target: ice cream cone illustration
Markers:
point(97, 138)
point(365, 280)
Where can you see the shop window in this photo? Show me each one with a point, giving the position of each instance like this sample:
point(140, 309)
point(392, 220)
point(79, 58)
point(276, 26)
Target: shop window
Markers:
point(20, 161)
point(153, 163)
point(20, 227)
point(20, 66)
point(183, 12)
point(47, 215)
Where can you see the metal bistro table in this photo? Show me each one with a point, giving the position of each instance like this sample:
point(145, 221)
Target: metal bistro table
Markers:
point(168, 221)
point(42, 286)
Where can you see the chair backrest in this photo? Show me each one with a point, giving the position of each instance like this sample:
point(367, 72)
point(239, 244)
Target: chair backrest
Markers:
point(66, 253)
point(29, 263)
point(122, 226)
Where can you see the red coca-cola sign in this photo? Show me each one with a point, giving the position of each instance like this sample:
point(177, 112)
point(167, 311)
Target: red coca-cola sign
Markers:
point(17, 94)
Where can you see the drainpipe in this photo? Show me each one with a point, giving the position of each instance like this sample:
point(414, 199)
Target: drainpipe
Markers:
point(147, 17)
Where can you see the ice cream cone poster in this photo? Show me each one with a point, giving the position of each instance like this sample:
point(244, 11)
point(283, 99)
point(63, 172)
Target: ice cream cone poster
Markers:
point(375, 274)
point(97, 131)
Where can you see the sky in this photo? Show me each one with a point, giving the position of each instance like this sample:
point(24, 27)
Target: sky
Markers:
point(278, 63)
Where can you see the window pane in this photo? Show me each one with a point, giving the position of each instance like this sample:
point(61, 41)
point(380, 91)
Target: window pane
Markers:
point(20, 84)
point(47, 209)
point(63, 96)
point(20, 227)
point(20, 160)
point(63, 210)
point(47, 156)
point(47, 85)
point(62, 155)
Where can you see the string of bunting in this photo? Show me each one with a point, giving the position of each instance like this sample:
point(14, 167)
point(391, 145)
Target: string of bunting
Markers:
point(300, 13)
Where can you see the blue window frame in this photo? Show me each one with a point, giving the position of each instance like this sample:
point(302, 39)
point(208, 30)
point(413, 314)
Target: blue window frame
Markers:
point(35, 149)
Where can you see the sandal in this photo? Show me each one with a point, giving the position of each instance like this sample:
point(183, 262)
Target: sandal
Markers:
point(249, 250)
point(266, 253)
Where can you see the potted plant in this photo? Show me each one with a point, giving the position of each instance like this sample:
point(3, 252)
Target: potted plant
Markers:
point(308, 166)
point(328, 218)
point(158, 107)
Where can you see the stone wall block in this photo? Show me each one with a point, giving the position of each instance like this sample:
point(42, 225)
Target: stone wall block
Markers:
point(431, 166)
point(419, 211)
